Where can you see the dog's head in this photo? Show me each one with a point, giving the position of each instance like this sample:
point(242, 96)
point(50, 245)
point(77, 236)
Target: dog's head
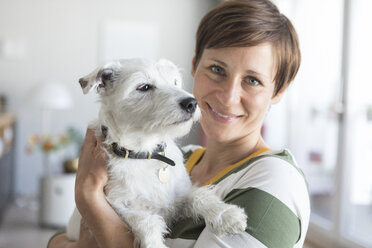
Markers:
point(143, 97)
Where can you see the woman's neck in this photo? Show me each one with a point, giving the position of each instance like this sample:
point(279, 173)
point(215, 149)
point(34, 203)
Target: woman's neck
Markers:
point(219, 156)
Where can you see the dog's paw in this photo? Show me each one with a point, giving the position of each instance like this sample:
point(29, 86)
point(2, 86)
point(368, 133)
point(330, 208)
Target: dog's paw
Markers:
point(231, 221)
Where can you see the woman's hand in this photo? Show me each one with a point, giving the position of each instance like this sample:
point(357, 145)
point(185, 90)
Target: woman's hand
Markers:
point(86, 239)
point(107, 228)
point(91, 176)
point(101, 226)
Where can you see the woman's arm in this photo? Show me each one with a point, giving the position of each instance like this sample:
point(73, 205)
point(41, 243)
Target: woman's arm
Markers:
point(86, 239)
point(106, 226)
point(61, 241)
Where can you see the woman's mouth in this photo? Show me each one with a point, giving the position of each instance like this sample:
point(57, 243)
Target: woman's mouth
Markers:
point(221, 116)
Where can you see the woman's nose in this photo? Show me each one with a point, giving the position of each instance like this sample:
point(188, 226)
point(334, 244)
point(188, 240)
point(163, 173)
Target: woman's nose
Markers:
point(230, 92)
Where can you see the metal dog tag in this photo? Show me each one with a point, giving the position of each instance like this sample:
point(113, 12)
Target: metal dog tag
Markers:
point(164, 174)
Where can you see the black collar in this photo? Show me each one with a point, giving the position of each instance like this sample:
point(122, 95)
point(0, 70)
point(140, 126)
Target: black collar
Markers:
point(125, 153)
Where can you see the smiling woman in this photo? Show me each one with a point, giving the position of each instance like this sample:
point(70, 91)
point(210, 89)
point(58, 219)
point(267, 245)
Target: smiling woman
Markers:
point(234, 88)
point(247, 53)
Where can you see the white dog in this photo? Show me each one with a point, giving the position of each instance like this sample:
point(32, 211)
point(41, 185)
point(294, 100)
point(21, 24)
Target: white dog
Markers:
point(143, 109)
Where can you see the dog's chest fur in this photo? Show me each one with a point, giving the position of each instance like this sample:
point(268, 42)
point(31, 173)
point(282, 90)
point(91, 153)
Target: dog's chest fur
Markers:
point(134, 183)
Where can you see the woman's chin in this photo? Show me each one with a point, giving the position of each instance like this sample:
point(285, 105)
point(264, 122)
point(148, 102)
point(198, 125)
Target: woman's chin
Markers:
point(219, 137)
point(213, 132)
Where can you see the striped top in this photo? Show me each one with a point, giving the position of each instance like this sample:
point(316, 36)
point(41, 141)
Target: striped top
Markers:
point(272, 190)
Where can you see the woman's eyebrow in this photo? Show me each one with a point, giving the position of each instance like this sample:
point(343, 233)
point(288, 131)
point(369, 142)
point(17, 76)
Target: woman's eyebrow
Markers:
point(219, 61)
point(256, 73)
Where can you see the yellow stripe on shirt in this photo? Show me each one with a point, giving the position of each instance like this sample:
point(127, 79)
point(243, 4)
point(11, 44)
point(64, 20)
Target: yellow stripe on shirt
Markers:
point(198, 153)
point(194, 158)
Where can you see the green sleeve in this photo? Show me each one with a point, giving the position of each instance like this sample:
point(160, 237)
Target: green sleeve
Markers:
point(269, 220)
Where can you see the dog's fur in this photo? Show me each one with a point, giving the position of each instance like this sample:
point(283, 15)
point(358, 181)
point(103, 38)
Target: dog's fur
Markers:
point(141, 107)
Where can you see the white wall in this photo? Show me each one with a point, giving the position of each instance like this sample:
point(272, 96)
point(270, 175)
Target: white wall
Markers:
point(60, 40)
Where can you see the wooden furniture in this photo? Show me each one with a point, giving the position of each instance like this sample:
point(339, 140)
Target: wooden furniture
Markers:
point(7, 137)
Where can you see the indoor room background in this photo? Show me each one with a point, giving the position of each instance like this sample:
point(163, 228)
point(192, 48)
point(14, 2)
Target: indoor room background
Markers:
point(325, 118)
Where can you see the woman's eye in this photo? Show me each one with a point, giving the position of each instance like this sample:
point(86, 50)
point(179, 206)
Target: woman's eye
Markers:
point(216, 69)
point(253, 81)
point(145, 87)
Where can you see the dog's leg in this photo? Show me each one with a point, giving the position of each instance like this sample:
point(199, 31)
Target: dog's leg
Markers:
point(148, 228)
point(221, 217)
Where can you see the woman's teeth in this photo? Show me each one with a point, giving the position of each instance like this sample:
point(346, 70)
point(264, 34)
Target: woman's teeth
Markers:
point(221, 115)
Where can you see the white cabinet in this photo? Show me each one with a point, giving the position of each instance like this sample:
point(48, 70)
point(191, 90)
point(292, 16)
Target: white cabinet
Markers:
point(57, 200)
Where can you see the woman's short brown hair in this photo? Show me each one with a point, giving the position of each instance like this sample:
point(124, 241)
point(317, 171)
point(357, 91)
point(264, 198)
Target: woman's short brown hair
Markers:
point(244, 23)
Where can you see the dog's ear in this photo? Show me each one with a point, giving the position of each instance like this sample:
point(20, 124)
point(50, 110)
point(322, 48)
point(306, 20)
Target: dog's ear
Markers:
point(100, 78)
point(170, 71)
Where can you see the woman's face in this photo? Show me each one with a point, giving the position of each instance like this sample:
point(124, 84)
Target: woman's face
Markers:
point(234, 88)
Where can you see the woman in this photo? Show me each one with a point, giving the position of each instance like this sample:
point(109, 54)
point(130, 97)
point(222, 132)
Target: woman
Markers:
point(246, 55)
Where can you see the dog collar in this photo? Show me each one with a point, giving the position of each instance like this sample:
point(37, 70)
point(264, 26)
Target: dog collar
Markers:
point(158, 153)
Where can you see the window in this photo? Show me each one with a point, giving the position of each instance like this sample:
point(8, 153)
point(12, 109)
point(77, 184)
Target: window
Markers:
point(357, 218)
point(327, 116)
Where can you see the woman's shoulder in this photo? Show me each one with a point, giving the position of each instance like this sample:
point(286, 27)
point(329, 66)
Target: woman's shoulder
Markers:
point(280, 169)
point(267, 168)
point(274, 165)
point(273, 156)
point(272, 189)
point(275, 172)
point(264, 185)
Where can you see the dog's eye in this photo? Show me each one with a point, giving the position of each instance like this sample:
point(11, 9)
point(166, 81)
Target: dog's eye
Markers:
point(145, 87)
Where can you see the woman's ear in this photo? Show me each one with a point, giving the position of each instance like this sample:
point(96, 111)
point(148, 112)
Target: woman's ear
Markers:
point(193, 66)
point(276, 99)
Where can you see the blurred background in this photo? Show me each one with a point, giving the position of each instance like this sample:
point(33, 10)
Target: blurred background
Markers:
point(325, 118)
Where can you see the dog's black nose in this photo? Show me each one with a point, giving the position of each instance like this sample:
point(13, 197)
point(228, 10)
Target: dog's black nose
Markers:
point(189, 104)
